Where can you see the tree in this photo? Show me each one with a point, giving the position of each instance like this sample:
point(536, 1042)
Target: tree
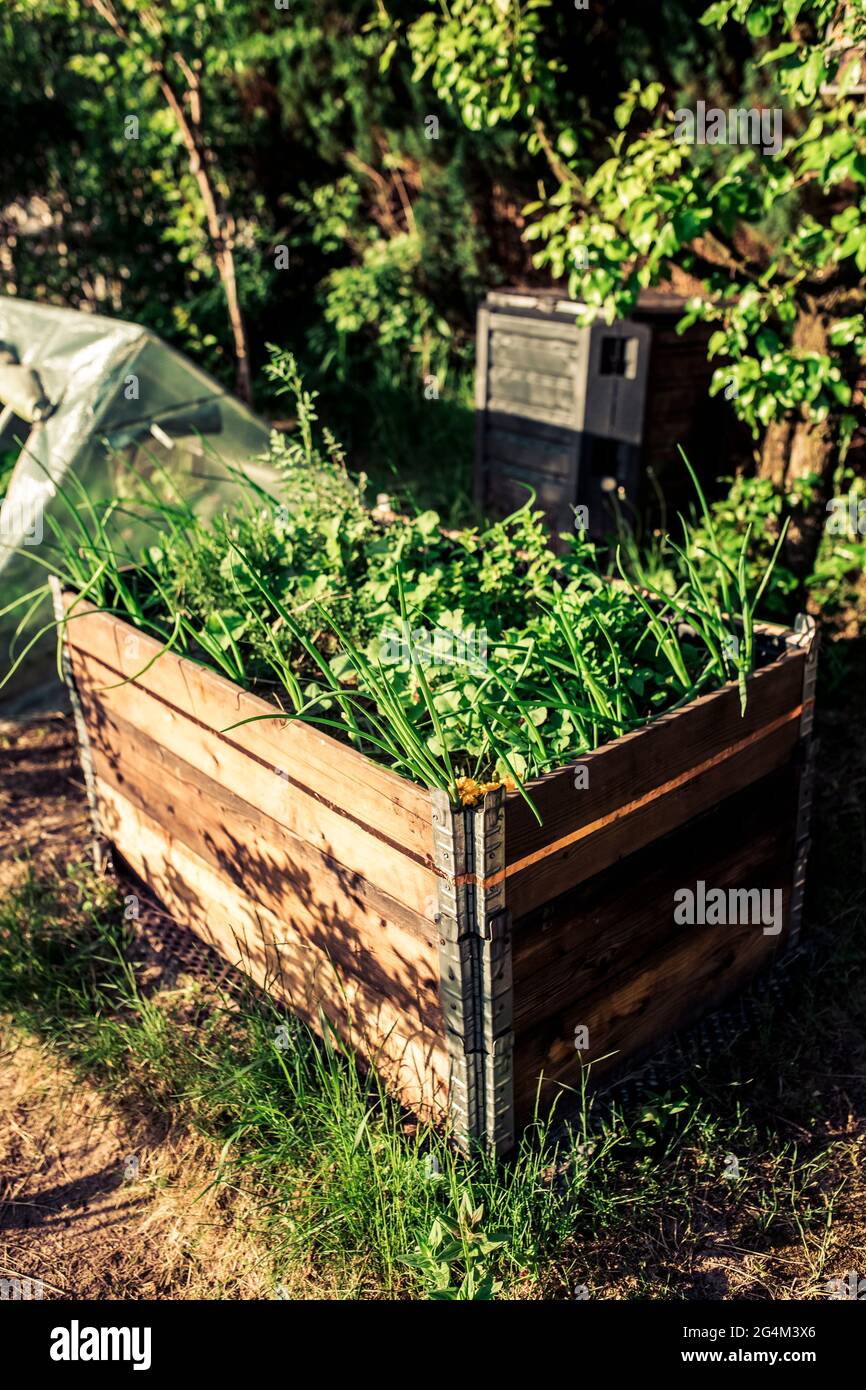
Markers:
point(151, 46)
point(153, 97)
point(770, 235)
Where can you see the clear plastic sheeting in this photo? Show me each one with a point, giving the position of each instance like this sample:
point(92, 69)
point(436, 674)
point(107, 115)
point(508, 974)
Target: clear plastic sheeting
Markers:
point(119, 410)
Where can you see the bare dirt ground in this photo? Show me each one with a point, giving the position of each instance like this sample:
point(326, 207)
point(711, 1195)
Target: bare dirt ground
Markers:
point(96, 1203)
point(43, 811)
point(99, 1209)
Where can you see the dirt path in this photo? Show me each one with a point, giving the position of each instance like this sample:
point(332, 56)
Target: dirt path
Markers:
point(95, 1211)
point(92, 1203)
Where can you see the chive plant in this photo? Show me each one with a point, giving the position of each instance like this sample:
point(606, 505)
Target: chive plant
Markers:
point(290, 596)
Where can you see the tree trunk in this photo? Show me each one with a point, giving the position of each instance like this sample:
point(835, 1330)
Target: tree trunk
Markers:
point(219, 224)
point(793, 450)
point(202, 164)
point(220, 229)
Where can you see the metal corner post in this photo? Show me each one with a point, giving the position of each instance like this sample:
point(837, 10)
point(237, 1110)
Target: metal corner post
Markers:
point(456, 975)
point(475, 970)
point(101, 851)
point(805, 637)
point(493, 925)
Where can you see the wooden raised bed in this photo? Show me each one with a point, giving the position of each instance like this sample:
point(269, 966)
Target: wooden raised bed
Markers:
point(460, 949)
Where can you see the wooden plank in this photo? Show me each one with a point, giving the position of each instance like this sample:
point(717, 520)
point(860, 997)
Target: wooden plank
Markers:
point(596, 846)
point(269, 788)
point(595, 934)
point(645, 784)
point(411, 1057)
point(648, 758)
point(671, 990)
point(329, 768)
point(127, 754)
point(366, 932)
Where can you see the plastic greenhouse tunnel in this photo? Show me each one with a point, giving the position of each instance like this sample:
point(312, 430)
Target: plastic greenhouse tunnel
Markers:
point(110, 404)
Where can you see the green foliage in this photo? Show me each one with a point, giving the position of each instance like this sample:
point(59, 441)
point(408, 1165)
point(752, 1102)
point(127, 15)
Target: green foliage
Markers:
point(656, 203)
point(124, 228)
point(485, 58)
point(757, 509)
point(391, 148)
point(320, 122)
point(454, 657)
point(379, 298)
point(138, 243)
point(753, 504)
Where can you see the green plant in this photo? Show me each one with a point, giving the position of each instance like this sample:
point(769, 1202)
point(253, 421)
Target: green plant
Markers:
point(746, 523)
point(458, 1249)
point(756, 216)
point(457, 658)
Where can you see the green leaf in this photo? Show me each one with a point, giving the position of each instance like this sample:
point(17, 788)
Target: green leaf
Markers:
point(386, 55)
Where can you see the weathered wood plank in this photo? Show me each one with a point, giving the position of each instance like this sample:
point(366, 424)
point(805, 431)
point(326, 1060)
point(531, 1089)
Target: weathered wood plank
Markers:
point(593, 935)
point(268, 788)
point(648, 782)
point(328, 767)
point(367, 932)
point(410, 1056)
point(683, 980)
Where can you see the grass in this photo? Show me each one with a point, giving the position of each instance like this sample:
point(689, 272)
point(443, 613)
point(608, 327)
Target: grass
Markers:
point(340, 1175)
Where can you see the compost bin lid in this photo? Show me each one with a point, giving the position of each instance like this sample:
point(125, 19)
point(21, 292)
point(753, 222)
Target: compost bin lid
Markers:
point(555, 300)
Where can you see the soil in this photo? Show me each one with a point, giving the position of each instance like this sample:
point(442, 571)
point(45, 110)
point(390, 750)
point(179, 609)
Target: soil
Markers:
point(43, 811)
point(96, 1203)
point(97, 1209)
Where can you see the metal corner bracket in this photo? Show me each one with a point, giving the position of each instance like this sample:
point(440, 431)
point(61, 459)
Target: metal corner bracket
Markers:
point(805, 637)
point(99, 844)
point(475, 970)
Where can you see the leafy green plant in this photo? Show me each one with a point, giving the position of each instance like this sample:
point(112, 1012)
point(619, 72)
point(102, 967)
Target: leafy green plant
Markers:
point(454, 1259)
point(340, 617)
point(629, 203)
